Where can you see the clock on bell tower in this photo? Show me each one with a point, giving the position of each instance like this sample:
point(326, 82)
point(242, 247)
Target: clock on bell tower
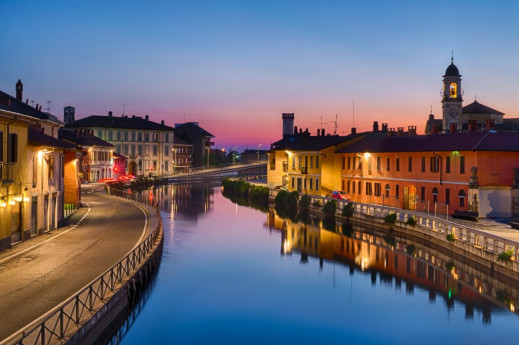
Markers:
point(451, 97)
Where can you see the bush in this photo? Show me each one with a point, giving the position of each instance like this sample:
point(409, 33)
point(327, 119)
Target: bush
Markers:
point(410, 249)
point(304, 201)
point(281, 197)
point(330, 207)
point(316, 203)
point(347, 210)
point(450, 237)
point(411, 221)
point(390, 240)
point(291, 200)
point(347, 229)
point(390, 218)
point(329, 223)
point(506, 255)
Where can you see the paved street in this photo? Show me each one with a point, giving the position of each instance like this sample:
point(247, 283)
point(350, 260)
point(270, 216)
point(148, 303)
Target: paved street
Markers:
point(38, 274)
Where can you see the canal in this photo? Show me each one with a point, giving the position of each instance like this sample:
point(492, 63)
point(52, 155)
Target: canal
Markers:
point(236, 275)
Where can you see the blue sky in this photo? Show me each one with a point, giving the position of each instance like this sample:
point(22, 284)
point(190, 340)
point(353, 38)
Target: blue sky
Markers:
point(235, 66)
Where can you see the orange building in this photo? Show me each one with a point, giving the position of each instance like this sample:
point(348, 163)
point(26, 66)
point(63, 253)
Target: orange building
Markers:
point(440, 173)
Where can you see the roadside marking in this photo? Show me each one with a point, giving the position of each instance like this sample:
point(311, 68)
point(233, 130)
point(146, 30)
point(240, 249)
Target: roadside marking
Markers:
point(47, 240)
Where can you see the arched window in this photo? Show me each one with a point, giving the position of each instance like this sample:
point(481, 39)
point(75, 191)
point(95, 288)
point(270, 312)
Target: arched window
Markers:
point(461, 196)
point(453, 90)
point(387, 188)
point(435, 195)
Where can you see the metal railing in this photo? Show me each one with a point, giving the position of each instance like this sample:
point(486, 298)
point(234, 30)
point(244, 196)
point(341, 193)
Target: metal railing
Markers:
point(68, 209)
point(475, 241)
point(62, 321)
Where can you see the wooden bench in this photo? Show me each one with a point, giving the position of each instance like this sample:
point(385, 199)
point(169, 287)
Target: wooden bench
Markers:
point(467, 215)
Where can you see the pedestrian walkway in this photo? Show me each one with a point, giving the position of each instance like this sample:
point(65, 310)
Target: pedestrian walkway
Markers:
point(497, 227)
point(37, 275)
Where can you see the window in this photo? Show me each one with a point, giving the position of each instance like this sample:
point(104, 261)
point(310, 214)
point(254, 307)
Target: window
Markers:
point(110, 135)
point(461, 197)
point(155, 150)
point(378, 164)
point(133, 149)
point(140, 150)
point(146, 150)
point(50, 167)
point(448, 164)
point(139, 136)
point(369, 165)
point(316, 166)
point(397, 191)
point(447, 196)
point(294, 163)
point(343, 163)
point(305, 183)
point(167, 138)
point(34, 171)
point(311, 162)
point(423, 164)
point(316, 183)
point(354, 162)
point(397, 163)
point(462, 164)
point(422, 193)
point(12, 148)
point(353, 187)
point(435, 164)
point(146, 137)
point(155, 165)
point(349, 163)
point(378, 189)
point(311, 183)
point(166, 150)
point(342, 185)
point(299, 162)
point(387, 188)
point(99, 133)
point(348, 186)
point(387, 163)
point(369, 188)
point(125, 150)
point(133, 136)
point(118, 135)
point(410, 164)
point(435, 195)
point(359, 187)
point(453, 90)
point(125, 136)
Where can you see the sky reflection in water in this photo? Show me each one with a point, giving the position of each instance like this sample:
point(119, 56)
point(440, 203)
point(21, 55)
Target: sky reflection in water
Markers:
point(230, 275)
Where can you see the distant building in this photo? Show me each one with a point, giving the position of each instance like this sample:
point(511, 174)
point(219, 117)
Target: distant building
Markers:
point(182, 155)
point(192, 133)
point(69, 115)
point(250, 156)
point(147, 144)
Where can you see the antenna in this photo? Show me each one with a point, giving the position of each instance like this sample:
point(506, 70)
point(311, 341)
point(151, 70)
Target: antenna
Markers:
point(353, 113)
point(335, 129)
point(124, 106)
point(431, 109)
point(48, 108)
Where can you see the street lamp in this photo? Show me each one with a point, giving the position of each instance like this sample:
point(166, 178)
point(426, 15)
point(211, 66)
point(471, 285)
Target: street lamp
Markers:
point(174, 160)
point(259, 145)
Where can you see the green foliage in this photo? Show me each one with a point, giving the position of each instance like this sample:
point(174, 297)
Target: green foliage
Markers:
point(506, 255)
point(411, 221)
point(246, 194)
point(410, 249)
point(390, 218)
point(330, 207)
point(449, 265)
point(316, 203)
point(329, 223)
point(304, 216)
point(390, 240)
point(347, 210)
point(347, 229)
point(304, 201)
point(281, 198)
point(450, 237)
point(292, 199)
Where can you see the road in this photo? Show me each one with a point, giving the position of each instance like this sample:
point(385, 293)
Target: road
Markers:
point(38, 274)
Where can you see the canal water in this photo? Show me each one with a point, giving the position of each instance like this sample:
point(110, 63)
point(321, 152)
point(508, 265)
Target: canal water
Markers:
point(235, 275)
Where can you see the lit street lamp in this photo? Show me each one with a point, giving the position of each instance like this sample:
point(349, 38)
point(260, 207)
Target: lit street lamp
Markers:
point(259, 145)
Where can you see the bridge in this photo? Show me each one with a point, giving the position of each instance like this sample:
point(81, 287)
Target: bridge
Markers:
point(229, 170)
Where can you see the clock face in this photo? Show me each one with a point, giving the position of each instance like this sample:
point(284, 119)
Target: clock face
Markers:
point(452, 111)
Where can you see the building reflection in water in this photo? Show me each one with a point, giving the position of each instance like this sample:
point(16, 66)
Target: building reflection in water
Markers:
point(396, 261)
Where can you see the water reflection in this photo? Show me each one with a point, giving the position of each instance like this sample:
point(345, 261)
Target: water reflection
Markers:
point(395, 260)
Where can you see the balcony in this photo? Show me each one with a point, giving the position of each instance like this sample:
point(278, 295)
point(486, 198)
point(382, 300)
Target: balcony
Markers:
point(7, 172)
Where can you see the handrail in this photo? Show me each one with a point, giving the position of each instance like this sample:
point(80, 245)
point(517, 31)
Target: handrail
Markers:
point(56, 324)
point(472, 239)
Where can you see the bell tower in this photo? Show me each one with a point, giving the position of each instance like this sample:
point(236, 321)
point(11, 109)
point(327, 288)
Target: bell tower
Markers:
point(452, 98)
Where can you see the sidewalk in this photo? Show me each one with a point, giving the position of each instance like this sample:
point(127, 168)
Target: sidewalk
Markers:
point(38, 274)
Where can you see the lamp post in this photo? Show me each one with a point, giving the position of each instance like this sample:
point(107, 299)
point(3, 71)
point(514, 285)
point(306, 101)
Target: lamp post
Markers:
point(174, 160)
point(259, 145)
point(207, 148)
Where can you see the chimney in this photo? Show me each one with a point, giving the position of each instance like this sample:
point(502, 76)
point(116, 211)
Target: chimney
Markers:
point(384, 127)
point(490, 124)
point(19, 90)
point(400, 131)
point(318, 131)
point(322, 132)
point(26, 101)
point(375, 126)
point(435, 129)
point(300, 131)
point(306, 130)
point(411, 130)
point(473, 125)
point(353, 130)
point(294, 130)
point(110, 113)
point(288, 124)
point(391, 132)
point(37, 106)
point(453, 127)
point(147, 117)
point(162, 122)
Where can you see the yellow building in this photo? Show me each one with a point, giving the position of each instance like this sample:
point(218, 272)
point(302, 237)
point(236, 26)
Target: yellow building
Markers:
point(306, 163)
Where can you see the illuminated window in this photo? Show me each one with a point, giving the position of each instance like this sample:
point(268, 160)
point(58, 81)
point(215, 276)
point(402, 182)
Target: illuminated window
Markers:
point(453, 90)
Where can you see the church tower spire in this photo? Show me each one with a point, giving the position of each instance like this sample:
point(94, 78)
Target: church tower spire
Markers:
point(452, 98)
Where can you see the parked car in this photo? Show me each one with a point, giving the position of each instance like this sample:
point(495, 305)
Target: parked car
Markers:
point(339, 194)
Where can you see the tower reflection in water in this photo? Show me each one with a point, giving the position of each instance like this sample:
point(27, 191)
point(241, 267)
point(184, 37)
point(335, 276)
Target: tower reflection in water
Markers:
point(396, 261)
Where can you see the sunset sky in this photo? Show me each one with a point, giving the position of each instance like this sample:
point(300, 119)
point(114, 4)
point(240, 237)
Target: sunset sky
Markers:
point(235, 66)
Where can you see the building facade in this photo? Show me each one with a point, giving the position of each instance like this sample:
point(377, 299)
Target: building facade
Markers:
point(182, 155)
point(147, 145)
point(195, 135)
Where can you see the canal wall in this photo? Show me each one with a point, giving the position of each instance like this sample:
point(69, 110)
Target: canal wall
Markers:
point(479, 246)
